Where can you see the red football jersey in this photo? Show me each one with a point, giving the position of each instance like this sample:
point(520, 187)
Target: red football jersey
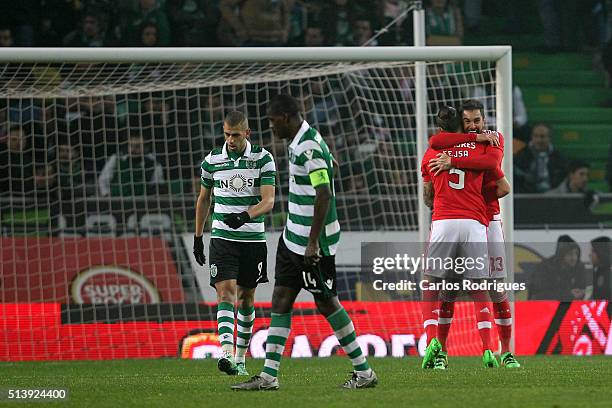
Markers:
point(494, 156)
point(489, 188)
point(457, 192)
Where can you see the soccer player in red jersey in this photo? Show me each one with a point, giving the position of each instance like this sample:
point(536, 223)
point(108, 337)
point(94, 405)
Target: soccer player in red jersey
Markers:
point(458, 232)
point(495, 186)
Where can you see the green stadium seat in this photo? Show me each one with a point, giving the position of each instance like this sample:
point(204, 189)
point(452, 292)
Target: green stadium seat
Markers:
point(542, 97)
point(538, 61)
point(569, 78)
point(570, 115)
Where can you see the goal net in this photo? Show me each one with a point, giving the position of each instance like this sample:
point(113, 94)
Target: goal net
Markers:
point(100, 172)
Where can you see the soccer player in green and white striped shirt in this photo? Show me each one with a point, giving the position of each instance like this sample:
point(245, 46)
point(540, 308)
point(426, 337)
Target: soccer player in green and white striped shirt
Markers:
point(305, 255)
point(241, 176)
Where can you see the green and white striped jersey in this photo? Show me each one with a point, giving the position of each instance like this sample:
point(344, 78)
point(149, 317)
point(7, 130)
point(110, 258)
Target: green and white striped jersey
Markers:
point(308, 152)
point(235, 182)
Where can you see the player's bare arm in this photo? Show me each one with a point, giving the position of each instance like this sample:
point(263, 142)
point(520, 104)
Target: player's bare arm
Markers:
point(444, 161)
point(202, 210)
point(445, 140)
point(503, 187)
point(428, 194)
point(266, 204)
point(321, 206)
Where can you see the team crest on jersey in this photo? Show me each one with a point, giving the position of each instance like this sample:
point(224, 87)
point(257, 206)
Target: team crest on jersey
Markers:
point(213, 270)
point(251, 164)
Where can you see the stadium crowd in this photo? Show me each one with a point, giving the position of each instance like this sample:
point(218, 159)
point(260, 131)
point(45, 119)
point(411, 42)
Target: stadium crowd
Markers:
point(63, 147)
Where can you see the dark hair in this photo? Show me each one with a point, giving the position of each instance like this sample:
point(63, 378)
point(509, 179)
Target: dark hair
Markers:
point(448, 119)
point(546, 125)
point(284, 105)
point(602, 246)
point(577, 164)
point(472, 104)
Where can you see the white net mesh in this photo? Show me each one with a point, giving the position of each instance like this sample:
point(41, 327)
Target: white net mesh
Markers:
point(63, 218)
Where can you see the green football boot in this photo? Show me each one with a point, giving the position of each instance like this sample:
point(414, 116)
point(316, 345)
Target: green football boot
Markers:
point(242, 369)
point(509, 361)
point(489, 360)
point(431, 352)
point(441, 361)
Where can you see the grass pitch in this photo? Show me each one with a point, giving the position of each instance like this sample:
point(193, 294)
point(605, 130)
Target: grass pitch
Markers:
point(543, 381)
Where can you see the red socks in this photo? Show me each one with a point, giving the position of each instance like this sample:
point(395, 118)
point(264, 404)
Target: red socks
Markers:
point(503, 321)
point(447, 309)
point(429, 307)
point(483, 317)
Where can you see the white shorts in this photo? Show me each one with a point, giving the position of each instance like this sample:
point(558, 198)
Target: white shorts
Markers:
point(497, 250)
point(461, 243)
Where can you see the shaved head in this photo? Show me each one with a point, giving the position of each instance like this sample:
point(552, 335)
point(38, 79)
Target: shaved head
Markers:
point(236, 120)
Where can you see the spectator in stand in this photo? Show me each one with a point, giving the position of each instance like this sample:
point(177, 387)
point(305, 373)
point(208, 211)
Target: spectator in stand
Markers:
point(16, 163)
point(6, 37)
point(337, 19)
point(313, 37)
point(572, 25)
point(70, 174)
point(258, 23)
point(90, 34)
point(45, 185)
point(193, 22)
point(298, 18)
point(576, 180)
point(601, 251)
point(443, 23)
point(472, 9)
point(362, 32)
point(20, 16)
point(57, 19)
point(401, 32)
point(562, 276)
point(149, 34)
point(131, 174)
point(148, 10)
point(539, 166)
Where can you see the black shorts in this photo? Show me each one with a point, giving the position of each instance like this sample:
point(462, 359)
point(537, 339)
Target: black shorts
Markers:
point(244, 261)
point(292, 272)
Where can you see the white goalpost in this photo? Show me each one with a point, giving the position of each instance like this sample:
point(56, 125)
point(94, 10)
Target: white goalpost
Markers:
point(94, 257)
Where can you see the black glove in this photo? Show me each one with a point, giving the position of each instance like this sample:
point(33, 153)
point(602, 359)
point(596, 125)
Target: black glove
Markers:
point(236, 220)
point(198, 250)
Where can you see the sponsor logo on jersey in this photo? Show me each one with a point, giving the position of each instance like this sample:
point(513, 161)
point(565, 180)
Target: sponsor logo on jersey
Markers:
point(222, 165)
point(237, 183)
point(112, 285)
